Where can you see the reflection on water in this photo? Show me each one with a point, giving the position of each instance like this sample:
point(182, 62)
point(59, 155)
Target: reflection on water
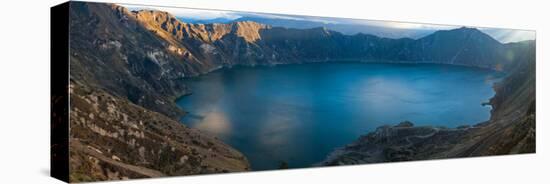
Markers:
point(299, 113)
point(276, 130)
point(214, 123)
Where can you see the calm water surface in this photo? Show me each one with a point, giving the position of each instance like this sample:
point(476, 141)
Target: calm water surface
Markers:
point(299, 113)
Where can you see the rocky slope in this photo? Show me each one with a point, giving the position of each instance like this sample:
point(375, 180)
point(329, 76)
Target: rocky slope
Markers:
point(124, 123)
point(510, 130)
point(126, 69)
point(111, 138)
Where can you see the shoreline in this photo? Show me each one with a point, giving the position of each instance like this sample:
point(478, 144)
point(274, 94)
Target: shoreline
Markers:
point(184, 94)
point(336, 151)
point(491, 137)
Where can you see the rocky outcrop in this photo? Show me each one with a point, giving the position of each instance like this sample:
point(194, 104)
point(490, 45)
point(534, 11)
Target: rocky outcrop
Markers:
point(401, 142)
point(164, 23)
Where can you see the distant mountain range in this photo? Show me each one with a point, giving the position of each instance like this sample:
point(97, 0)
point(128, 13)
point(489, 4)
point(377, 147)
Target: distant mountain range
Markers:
point(348, 29)
point(386, 29)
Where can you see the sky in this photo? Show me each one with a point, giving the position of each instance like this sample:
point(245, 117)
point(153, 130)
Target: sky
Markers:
point(399, 29)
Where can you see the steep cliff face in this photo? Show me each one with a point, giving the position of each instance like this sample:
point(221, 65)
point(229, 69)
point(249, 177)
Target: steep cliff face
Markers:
point(510, 130)
point(111, 51)
point(164, 23)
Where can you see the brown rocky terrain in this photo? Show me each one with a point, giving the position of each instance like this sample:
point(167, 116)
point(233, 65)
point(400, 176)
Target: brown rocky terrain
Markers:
point(111, 138)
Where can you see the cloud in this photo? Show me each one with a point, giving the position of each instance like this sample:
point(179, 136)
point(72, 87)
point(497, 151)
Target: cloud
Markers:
point(509, 35)
point(293, 17)
point(399, 25)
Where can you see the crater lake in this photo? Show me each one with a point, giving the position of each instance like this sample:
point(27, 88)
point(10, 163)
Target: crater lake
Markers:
point(294, 115)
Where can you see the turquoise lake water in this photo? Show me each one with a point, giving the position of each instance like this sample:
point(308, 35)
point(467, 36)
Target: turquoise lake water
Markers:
point(299, 113)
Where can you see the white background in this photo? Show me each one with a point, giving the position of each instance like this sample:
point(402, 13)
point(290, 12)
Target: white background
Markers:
point(24, 92)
